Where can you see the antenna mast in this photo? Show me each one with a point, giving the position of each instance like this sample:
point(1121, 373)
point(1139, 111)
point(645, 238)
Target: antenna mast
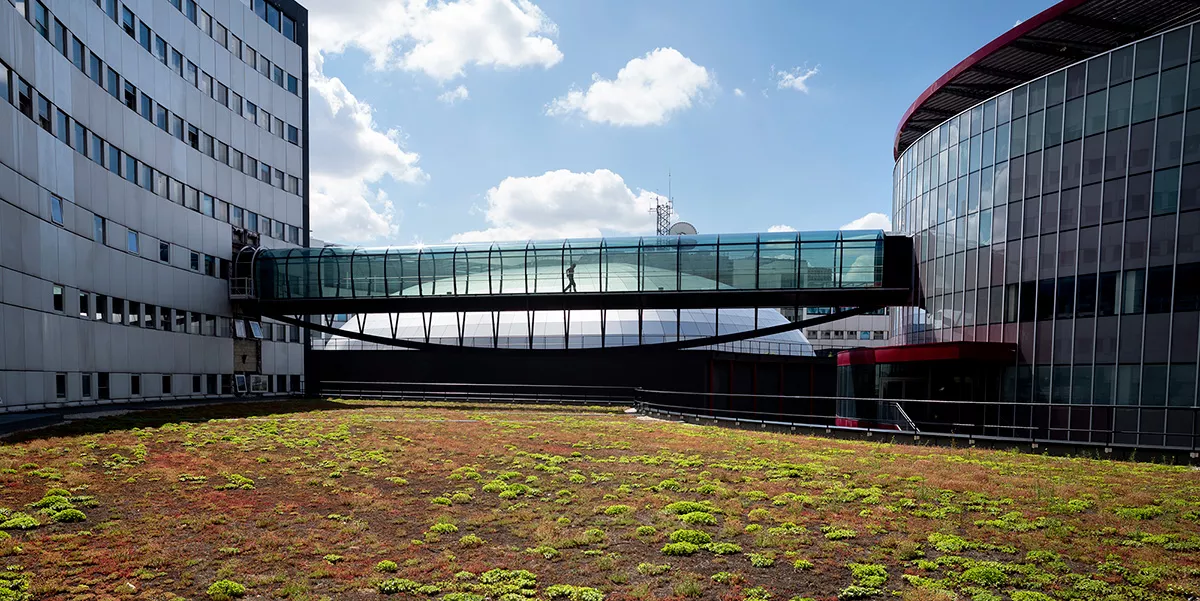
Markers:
point(662, 210)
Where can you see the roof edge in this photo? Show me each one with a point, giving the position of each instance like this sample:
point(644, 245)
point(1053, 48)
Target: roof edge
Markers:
point(1025, 27)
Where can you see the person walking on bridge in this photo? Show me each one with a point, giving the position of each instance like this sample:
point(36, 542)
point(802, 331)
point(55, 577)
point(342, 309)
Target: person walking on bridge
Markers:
point(570, 279)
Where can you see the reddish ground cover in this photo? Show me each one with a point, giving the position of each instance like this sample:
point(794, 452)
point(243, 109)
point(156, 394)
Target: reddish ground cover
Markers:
point(356, 500)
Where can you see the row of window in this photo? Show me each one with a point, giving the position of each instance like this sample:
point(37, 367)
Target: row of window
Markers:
point(117, 311)
point(830, 310)
point(1160, 289)
point(1159, 384)
point(240, 50)
point(90, 64)
point(126, 93)
point(1064, 107)
point(846, 335)
point(211, 384)
point(273, 16)
point(138, 173)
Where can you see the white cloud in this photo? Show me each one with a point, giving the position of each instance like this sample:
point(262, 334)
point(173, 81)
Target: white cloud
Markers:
point(350, 156)
point(796, 79)
point(781, 228)
point(1019, 21)
point(563, 204)
point(870, 221)
point(440, 38)
point(738, 92)
point(646, 91)
point(453, 96)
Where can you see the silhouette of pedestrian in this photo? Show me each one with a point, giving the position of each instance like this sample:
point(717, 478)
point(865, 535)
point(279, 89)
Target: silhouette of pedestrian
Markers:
point(570, 279)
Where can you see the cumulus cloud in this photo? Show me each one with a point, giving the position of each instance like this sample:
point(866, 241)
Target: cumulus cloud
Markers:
point(648, 90)
point(563, 204)
point(781, 228)
point(350, 156)
point(438, 38)
point(796, 79)
point(870, 221)
point(738, 92)
point(351, 153)
point(455, 95)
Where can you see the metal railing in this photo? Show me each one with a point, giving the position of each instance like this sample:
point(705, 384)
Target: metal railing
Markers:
point(1030, 424)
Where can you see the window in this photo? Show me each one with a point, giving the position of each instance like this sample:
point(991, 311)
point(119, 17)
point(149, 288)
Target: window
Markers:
point(190, 198)
point(127, 20)
point(193, 323)
point(193, 136)
point(95, 69)
point(166, 384)
point(192, 72)
point(196, 385)
point(294, 333)
point(114, 159)
point(131, 96)
point(293, 84)
point(206, 205)
point(161, 117)
point(77, 54)
point(264, 65)
point(164, 319)
point(85, 309)
point(114, 84)
point(41, 19)
point(251, 221)
point(24, 98)
point(251, 167)
point(177, 127)
point(293, 135)
point(264, 173)
point(210, 325)
point(135, 385)
point(131, 170)
point(206, 144)
point(5, 84)
point(60, 38)
point(160, 49)
point(144, 36)
point(278, 179)
point(277, 76)
point(278, 230)
point(98, 150)
point(117, 314)
point(148, 318)
point(99, 229)
point(56, 210)
point(63, 125)
point(44, 114)
point(177, 62)
point(195, 262)
point(1133, 288)
point(235, 46)
point(221, 94)
point(135, 314)
point(206, 84)
point(204, 22)
point(211, 382)
point(60, 386)
point(235, 159)
point(288, 27)
point(131, 242)
point(181, 322)
point(101, 307)
point(277, 127)
point(59, 300)
point(220, 34)
point(189, 10)
point(86, 386)
point(81, 139)
point(102, 385)
point(210, 268)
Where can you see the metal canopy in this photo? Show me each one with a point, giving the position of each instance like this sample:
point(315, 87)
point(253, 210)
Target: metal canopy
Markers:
point(1066, 33)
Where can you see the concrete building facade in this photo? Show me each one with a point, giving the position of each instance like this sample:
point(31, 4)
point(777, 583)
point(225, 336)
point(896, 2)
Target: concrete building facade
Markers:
point(142, 142)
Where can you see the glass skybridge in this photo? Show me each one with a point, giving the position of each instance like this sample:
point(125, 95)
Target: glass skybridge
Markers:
point(645, 266)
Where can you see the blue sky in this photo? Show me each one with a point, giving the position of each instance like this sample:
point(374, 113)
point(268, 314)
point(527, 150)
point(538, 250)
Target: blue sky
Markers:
point(453, 121)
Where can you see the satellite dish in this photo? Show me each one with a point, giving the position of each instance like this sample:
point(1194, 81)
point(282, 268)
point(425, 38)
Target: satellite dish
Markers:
point(682, 228)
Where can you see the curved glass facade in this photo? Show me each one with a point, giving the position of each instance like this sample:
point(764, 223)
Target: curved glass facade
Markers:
point(1064, 216)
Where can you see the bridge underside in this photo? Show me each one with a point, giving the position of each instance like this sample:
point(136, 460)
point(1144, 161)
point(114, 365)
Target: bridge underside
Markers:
point(706, 299)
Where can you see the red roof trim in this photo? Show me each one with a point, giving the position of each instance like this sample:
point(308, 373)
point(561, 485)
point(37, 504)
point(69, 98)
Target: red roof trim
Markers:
point(1005, 39)
point(937, 351)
